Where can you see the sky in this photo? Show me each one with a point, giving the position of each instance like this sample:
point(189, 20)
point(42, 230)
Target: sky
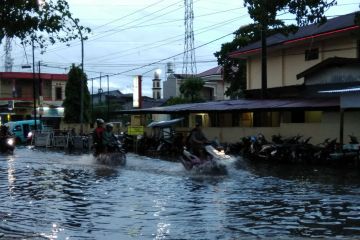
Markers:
point(138, 37)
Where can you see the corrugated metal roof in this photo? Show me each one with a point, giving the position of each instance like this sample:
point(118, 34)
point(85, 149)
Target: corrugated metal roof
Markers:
point(338, 23)
point(245, 105)
point(345, 90)
point(327, 63)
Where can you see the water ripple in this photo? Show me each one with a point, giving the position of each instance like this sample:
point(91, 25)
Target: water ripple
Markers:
point(50, 195)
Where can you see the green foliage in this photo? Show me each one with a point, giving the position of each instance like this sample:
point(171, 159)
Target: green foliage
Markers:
point(72, 102)
point(234, 69)
point(49, 22)
point(101, 110)
point(191, 87)
point(357, 17)
point(176, 100)
point(264, 14)
point(305, 11)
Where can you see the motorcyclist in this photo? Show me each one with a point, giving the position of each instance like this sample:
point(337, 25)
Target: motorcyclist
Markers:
point(4, 135)
point(4, 131)
point(108, 137)
point(197, 141)
point(98, 136)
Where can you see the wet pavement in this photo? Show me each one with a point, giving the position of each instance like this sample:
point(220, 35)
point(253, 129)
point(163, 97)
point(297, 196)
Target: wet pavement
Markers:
point(51, 195)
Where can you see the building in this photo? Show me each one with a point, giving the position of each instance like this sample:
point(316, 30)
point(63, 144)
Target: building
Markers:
point(171, 87)
point(290, 55)
point(301, 66)
point(17, 96)
point(214, 84)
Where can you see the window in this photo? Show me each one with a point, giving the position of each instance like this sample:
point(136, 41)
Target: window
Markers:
point(214, 119)
point(298, 117)
point(311, 54)
point(302, 117)
point(17, 128)
point(58, 93)
point(266, 119)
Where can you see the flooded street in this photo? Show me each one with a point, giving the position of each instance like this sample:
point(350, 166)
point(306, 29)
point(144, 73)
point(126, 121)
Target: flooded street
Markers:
point(50, 195)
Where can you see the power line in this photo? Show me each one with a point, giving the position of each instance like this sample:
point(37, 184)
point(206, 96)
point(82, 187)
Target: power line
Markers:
point(166, 41)
point(164, 59)
point(106, 34)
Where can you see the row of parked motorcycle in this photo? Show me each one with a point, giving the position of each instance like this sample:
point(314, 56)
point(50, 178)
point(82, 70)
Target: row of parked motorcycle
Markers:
point(295, 149)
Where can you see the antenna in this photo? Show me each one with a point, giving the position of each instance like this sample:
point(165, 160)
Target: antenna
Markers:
point(189, 62)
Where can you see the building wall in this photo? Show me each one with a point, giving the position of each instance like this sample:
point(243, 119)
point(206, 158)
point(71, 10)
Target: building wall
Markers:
point(169, 87)
point(329, 127)
point(285, 64)
point(54, 85)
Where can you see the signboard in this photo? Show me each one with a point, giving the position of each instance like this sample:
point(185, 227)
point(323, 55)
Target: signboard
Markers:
point(135, 130)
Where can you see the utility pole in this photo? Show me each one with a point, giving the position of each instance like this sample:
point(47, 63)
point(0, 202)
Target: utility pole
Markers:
point(108, 99)
point(40, 94)
point(34, 83)
point(263, 62)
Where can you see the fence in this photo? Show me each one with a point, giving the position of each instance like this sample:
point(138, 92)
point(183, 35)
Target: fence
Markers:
point(62, 140)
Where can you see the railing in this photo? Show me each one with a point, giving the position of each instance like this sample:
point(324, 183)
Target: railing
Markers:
point(62, 140)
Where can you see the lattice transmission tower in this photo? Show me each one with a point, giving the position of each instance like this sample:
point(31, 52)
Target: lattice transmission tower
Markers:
point(189, 61)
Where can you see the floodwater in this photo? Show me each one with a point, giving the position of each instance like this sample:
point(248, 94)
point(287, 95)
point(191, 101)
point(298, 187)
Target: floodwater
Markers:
point(50, 195)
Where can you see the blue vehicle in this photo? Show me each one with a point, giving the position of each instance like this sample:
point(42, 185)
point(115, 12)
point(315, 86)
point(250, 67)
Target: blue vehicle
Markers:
point(22, 130)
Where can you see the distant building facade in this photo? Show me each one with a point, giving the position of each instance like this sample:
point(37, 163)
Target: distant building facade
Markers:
point(214, 84)
point(17, 95)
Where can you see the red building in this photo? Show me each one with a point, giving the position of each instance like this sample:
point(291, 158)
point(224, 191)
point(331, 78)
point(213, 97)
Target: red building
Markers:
point(17, 95)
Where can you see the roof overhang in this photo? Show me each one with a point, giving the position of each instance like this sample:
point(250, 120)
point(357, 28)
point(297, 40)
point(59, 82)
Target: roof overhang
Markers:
point(243, 105)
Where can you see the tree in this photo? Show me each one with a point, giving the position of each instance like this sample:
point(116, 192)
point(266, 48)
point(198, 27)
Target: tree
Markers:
point(234, 70)
point(176, 100)
point(31, 21)
point(191, 88)
point(72, 96)
point(265, 14)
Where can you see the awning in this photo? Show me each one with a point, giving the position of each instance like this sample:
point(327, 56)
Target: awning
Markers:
point(244, 105)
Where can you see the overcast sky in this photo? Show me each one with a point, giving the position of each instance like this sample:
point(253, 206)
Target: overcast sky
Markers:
point(129, 36)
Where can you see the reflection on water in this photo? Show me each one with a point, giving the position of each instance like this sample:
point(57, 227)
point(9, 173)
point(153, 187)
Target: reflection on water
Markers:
point(49, 195)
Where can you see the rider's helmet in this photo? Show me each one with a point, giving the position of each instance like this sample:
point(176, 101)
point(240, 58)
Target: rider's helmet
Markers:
point(109, 126)
point(4, 128)
point(99, 121)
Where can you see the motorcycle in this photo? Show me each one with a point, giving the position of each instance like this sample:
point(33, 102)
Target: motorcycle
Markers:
point(212, 163)
point(7, 144)
point(114, 154)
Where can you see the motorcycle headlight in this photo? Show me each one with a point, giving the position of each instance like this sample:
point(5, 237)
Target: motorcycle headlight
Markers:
point(29, 134)
point(10, 141)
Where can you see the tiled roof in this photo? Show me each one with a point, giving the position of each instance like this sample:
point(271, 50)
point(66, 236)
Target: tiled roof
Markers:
point(213, 71)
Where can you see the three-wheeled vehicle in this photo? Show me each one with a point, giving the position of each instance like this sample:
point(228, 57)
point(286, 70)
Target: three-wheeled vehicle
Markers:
point(165, 140)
